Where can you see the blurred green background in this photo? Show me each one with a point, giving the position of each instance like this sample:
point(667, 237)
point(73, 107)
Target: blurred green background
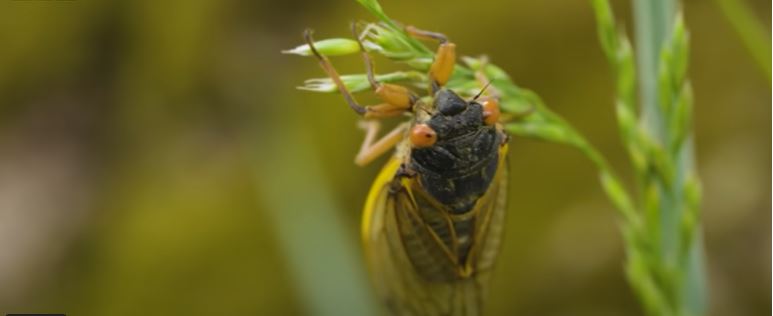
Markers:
point(156, 159)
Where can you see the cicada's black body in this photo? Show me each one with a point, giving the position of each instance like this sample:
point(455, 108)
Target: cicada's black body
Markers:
point(434, 217)
point(458, 169)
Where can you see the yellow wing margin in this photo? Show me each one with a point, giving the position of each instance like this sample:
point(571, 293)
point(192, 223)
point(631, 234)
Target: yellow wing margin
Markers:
point(391, 273)
point(374, 204)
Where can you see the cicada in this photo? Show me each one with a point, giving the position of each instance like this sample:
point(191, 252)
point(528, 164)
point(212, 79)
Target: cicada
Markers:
point(433, 220)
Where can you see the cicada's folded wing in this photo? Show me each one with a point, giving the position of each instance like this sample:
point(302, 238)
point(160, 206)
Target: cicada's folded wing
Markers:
point(411, 263)
point(390, 270)
point(491, 210)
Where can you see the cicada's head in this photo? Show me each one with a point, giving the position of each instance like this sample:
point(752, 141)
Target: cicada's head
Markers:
point(453, 117)
point(455, 150)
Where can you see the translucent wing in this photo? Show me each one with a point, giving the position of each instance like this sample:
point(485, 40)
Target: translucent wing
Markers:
point(412, 249)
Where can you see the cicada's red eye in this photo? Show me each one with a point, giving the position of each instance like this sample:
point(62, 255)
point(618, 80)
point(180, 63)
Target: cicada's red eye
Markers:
point(422, 136)
point(490, 111)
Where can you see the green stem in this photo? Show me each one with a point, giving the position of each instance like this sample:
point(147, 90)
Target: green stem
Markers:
point(653, 20)
point(680, 284)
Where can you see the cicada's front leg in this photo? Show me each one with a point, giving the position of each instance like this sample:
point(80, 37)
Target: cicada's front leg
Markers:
point(372, 148)
point(397, 100)
point(445, 57)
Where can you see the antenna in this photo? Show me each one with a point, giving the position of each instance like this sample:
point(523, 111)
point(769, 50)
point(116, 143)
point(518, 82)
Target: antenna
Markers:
point(481, 91)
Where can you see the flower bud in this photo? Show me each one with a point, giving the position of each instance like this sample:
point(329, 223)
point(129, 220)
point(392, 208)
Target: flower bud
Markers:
point(327, 47)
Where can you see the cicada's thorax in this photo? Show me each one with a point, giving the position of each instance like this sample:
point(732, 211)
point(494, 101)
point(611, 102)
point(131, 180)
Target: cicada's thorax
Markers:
point(458, 169)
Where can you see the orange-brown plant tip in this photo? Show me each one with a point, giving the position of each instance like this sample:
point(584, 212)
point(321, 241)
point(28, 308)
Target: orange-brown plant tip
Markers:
point(490, 111)
point(423, 136)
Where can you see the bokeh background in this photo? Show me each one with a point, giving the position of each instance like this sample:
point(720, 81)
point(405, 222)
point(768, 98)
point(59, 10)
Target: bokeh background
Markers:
point(156, 159)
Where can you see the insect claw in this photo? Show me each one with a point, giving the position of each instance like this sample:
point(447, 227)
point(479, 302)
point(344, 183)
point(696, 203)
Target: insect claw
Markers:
point(405, 172)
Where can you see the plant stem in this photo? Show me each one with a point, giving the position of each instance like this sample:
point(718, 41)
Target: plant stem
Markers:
point(653, 20)
point(681, 283)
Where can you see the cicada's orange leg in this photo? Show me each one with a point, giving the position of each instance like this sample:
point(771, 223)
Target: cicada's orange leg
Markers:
point(372, 148)
point(333, 74)
point(397, 100)
point(445, 57)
